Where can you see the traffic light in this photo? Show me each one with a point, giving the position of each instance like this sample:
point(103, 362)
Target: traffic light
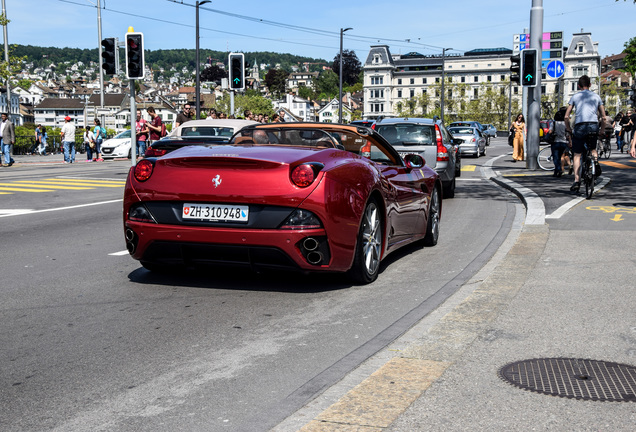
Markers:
point(135, 60)
point(237, 71)
point(515, 68)
point(109, 56)
point(529, 68)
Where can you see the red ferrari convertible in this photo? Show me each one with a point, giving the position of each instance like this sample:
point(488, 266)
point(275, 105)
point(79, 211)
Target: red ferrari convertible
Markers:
point(308, 196)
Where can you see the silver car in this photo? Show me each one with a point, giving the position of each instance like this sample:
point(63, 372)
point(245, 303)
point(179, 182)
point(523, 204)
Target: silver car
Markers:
point(430, 139)
point(491, 130)
point(473, 141)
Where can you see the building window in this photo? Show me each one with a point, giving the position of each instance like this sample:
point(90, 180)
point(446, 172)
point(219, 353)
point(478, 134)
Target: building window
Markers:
point(542, 89)
point(377, 80)
point(475, 92)
point(578, 71)
point(423, 80)
point(476, 78)
point(424, 91)
point(515, 90)
point(436, 80)
point(377, 93)
point(502, 77)
point(463, 79)
point(489, 78)
point(412, 81)
point(377, 107)
point(399, 81)
point(412, 93)
point(399, 93)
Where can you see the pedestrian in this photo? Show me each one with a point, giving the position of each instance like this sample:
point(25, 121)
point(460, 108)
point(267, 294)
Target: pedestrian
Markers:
point(519, 130)
point(211, 114)
point(561, 140)
point(632, 120)
point(589, 110)
point(154, 126)
point(248, 115)
point(632, 148)
point(99, 134)
point(68, 140)
point(617, 130)
point(626, 127)
point(38, 139)
point(276, 118)
point(281, 113)
point(89, 143)
point(184, 115)
point(43, 139)
point(7, 139)
point(142, 131)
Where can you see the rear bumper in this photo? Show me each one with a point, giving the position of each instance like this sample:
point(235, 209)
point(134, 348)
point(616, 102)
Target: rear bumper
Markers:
point(256, 248)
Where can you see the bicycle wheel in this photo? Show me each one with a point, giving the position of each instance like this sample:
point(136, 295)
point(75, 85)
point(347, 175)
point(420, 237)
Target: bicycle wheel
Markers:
point(544, 159)
point(588, 176)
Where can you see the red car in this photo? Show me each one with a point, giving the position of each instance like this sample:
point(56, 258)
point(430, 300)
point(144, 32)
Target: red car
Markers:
point(315, 197)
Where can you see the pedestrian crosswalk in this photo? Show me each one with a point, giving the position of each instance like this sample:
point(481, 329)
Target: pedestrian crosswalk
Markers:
point(57, 184)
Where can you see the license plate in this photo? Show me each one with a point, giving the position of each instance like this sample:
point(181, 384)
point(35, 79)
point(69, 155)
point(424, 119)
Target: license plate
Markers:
point(215, 212)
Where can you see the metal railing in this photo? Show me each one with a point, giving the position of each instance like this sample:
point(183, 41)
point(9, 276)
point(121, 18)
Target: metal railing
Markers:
point(25, 144)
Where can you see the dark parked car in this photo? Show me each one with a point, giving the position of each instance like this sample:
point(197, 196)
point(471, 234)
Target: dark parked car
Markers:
point(430, 139)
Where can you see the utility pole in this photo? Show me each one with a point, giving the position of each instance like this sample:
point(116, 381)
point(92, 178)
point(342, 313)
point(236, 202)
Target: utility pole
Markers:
point(197, 66)
point(534, 93)
point(443, 79)
point(6, 58)
point(101, 60)
point(340, 87)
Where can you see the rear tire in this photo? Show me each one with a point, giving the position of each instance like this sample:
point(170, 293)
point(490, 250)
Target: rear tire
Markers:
point(432, 224)
point(588, 178)
point(366, 262)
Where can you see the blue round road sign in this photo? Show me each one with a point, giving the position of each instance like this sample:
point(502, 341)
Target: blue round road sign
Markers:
point(555, 69)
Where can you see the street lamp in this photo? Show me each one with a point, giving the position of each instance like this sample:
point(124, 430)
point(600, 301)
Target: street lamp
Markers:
point(443, 79)
point(340, 87)
point(197, 65)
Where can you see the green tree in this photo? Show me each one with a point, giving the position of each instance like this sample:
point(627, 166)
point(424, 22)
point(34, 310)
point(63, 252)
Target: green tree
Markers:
point(327, 85)
point(14, 65)
point(306, 93)
point(351, 67)
point(630, 58)
point(252, 101)
point(213, 73)
point(276, 81)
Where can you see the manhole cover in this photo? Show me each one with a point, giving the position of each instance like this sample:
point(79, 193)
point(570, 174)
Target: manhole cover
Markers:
point(574, 378)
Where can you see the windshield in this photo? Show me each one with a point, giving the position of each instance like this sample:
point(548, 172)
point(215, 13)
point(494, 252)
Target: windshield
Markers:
point(206, 131)
point(461, 130)
point(124, 134)
point(407, 134)
point(293, 137)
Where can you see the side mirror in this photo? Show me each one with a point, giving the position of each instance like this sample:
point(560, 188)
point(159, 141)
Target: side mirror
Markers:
point(414, 161)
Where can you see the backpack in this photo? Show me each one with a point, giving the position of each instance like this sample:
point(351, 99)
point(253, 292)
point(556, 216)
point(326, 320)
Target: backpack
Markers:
point(164, 132)
point(102, 132)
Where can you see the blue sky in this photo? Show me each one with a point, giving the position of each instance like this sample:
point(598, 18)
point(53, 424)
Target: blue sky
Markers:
point(312, 28)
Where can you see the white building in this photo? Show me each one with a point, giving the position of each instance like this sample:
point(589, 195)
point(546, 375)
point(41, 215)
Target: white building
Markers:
point(330, 112)
point(300, 108)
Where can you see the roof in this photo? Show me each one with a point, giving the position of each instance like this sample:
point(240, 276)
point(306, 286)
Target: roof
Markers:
point(60, 103)
point(110, 99)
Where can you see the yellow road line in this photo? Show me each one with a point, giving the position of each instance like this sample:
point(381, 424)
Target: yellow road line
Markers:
point(469, 167)
point(15, 189)
point(617, 165)
point(63, 184)
point(116, 182)
point(53, 186)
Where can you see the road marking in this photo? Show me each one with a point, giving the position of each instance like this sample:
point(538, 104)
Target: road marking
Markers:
point(617, 165)
point(13, 212)
point(95, 181)
point(28, 212)
point(617, 218)
point(120, 253)
point(23, 189)
point(48, 185)
point(469, 168)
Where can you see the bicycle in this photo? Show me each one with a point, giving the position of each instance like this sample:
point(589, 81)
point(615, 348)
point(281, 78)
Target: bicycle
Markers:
point(544, 159)
point(588, 166)
point(604, 147)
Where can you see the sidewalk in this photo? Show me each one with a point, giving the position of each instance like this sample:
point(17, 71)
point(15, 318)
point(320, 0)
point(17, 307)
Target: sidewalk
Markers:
point(546, 294)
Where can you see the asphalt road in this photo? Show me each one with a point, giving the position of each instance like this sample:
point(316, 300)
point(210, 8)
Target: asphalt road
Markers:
point(92, 341)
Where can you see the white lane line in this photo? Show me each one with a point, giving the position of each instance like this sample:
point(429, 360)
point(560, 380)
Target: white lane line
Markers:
point(27, 212)
point(120, 253)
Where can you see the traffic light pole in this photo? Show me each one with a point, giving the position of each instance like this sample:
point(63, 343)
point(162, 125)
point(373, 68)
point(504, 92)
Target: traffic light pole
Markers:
point(101, 60)
point(534, 93)
point(133, 123)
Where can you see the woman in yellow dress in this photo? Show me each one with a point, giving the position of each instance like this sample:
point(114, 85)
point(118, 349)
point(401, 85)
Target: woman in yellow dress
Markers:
point(519, 128)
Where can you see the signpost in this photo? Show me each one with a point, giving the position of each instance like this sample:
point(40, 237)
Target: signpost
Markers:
point(555, 69)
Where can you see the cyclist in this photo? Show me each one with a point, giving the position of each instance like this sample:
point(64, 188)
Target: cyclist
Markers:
point(589, 109)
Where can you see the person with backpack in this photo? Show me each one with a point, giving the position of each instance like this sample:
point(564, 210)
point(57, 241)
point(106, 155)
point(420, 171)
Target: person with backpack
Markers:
point(155, 126)
point(99, 134)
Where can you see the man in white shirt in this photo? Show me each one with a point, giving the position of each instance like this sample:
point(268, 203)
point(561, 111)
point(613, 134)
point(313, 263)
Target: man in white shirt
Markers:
point(68, 140)
point(7, 139)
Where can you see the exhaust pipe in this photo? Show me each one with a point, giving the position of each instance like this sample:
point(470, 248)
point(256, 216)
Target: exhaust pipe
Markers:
point(131, 247)
point(310, 244)
point(314, 258)
point(130, 234)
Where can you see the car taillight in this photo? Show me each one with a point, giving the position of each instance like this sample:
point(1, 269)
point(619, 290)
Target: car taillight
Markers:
point(143, 170)
point(473, 140)
point(305, 174)
point(373, 126)
point(151, 152)
point(442, 151)
point(139, 213)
